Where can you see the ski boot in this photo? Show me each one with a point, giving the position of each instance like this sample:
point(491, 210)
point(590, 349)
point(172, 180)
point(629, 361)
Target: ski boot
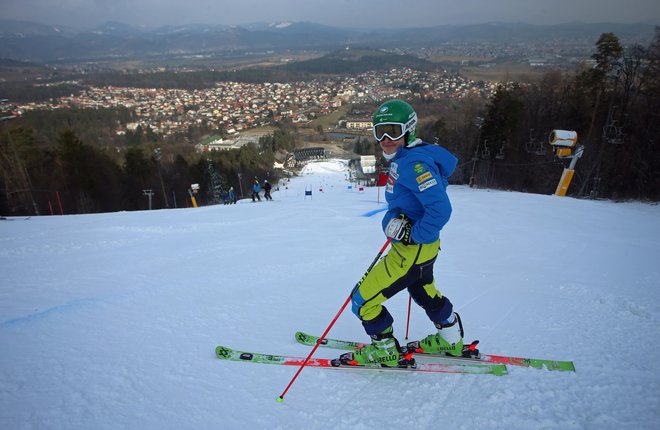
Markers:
point(448, 339)
point(384, 351)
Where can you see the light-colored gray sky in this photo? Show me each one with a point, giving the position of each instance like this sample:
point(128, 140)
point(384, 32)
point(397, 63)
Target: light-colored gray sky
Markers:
point(340, 13)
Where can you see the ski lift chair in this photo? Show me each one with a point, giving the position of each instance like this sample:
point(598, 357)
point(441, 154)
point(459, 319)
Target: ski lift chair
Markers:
point(613, 133)
point(485, 154)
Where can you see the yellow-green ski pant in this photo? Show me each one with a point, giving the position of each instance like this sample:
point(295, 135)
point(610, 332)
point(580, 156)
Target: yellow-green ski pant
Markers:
point(403, 267)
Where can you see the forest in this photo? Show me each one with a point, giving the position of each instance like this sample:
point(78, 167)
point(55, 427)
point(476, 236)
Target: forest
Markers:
point(74, 161)
point(87, 168)
point(613, 106)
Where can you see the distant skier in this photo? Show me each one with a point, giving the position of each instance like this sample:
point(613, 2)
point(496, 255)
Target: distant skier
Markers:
point(267, 188)
point(232, 196)
point(418, 208)
point(256, 188)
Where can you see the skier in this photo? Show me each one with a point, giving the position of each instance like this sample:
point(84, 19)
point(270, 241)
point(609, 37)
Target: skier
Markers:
point(255, 189)
point(232, 196)
point(418, 208)
point(267, 188)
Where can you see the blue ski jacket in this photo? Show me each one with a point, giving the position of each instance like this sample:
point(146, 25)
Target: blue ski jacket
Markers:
point(417, 187)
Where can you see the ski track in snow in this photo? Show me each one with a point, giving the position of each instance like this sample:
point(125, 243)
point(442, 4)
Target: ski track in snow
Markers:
point(110, 320)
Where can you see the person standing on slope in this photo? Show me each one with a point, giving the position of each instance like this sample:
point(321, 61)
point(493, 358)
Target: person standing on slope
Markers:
point(256, 187)
point(418, 208)
point(267, 188)
point(232, 196)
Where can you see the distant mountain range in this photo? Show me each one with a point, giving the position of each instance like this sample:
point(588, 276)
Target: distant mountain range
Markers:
point(28, 41)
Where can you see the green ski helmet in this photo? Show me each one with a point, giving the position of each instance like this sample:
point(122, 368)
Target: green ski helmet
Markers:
point(394, 119)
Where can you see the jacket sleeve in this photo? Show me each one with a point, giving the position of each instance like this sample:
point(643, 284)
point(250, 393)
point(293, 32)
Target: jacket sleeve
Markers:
point(430, 189)
point(437, 211)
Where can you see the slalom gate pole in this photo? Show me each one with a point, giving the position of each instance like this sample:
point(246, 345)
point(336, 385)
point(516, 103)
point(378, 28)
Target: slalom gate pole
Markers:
point(325, 333)
point(408, 319)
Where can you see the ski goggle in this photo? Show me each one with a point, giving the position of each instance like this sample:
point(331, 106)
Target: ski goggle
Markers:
point(392, 130)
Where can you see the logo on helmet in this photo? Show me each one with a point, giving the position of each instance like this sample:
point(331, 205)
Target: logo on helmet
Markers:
point(384, 109)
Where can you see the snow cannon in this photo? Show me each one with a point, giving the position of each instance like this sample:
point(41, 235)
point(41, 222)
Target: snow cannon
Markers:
point(565, 145)
point(194, 189)
point(563, 141)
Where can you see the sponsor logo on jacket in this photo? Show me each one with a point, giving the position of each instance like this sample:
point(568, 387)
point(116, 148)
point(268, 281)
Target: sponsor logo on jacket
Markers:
point(419, 168)
point(427, 184)
point(423, 177)
point(393, 171)
point(389, 186)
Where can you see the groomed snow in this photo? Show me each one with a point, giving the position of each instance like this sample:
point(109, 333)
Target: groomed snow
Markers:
point(109, 321)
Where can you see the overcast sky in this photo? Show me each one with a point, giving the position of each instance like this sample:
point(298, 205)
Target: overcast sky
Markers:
point(340, 13)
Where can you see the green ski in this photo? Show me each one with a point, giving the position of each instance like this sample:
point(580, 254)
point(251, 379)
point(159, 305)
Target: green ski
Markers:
point(486, 359)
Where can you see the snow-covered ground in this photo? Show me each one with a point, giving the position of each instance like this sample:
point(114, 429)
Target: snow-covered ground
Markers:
point(110, 321)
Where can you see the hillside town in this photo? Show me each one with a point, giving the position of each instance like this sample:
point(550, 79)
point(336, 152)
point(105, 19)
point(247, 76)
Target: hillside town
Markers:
point(232, 107)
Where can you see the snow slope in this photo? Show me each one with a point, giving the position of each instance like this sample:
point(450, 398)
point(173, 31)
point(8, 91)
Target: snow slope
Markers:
point(110, 321)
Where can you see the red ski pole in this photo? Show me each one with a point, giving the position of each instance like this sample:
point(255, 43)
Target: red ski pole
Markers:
point(318, 342)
